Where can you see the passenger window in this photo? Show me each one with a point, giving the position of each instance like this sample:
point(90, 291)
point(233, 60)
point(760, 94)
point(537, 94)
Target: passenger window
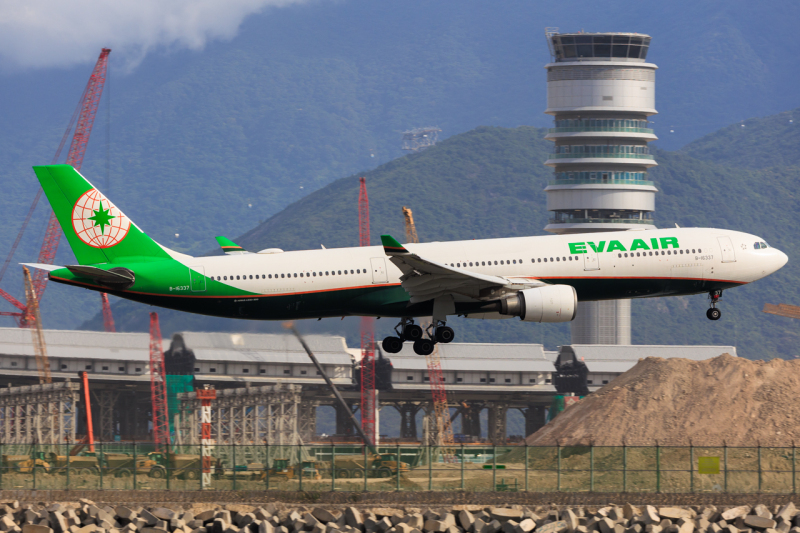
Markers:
point(626, 255)
point(619, 255)
point(226, 278)
point(358, 271)
point(545, 260)
point(270, 276)
point(283, 275)
point(501, 262)
point(251, 276)
point(669, 252)
point(340, 272)
point(699, 251)
point(693, 251)
point(237, 277)
point(470, 264)
point(558, 259)
point(314, 274)
point(295, 275)
point(564, 258)
point(351, 272)
point(638, 254)
point(540, 260)
point(483, 263)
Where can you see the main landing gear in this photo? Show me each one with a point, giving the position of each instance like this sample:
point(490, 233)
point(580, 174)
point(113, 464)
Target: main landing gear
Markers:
point(713, 313)
point(424, 340)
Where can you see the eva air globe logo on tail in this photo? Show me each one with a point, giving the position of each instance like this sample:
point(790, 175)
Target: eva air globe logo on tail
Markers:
point(97, 221)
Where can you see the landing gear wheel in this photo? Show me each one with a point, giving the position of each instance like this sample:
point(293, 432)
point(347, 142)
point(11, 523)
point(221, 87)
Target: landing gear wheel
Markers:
point(444, 334)
point(713, 313)
point(412, 332)
point(423, 347)
point(392, 345)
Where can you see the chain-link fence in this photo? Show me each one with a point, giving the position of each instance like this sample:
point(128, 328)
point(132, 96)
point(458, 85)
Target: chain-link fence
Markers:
point(350, 467)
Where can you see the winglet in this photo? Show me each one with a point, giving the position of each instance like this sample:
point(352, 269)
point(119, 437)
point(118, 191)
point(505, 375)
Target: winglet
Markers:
point(229, 247)
point(391, 246)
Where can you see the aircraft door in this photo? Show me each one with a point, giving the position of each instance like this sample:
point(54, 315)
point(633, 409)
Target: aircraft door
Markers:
point(379, 270)
point(591, 261)
point(198, 279)
point(725, 244)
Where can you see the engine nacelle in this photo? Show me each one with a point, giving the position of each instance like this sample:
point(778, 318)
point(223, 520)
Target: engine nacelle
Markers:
point(553, 303)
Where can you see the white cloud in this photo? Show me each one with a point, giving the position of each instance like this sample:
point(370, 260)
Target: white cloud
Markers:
point(60, 33)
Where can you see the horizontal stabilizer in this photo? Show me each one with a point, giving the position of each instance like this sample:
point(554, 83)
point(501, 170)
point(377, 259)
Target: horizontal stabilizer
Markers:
point(116, 277)
point(230, 247)
point(42, 266)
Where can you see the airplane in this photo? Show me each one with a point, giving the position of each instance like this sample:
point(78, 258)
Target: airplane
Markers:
point(537, 279)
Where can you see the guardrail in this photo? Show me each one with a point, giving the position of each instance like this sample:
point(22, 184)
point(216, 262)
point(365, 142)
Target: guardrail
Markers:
point(631, 469)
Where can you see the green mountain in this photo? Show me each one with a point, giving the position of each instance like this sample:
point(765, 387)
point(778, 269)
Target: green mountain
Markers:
point(489, 183)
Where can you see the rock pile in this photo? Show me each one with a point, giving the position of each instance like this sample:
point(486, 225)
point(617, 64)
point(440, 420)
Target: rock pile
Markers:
point(721, 401)
point(90, 518)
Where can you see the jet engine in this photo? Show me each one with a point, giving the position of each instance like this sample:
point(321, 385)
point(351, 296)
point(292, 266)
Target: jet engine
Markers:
point(552, 303)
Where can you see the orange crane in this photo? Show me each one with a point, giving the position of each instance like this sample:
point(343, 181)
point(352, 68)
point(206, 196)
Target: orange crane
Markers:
point(85, 114)
point(368, 396)
point(444, 427)
point(34, 320)
point(790, 311)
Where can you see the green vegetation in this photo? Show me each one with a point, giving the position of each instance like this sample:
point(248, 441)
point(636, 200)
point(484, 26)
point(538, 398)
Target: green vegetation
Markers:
point(489, 183)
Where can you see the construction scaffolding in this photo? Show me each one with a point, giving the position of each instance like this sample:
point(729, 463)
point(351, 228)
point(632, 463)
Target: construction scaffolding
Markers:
point(248, 417)
point(420, 138)
point(45, 414)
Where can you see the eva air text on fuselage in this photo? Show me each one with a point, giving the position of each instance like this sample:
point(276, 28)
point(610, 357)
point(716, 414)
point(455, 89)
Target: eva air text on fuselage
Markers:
point(615, 246)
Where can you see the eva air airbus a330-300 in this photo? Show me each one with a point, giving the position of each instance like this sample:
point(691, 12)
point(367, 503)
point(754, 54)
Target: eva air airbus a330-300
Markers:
point(538, 279)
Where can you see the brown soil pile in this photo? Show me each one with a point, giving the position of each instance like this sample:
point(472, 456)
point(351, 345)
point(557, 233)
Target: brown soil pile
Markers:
point(725, 400)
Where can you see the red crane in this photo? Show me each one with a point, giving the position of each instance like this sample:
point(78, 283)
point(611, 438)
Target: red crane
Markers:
point(368, 407)
point(158, 388)
point(85, 113)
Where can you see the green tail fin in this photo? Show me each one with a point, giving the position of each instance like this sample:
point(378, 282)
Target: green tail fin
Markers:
point(229, 247)
point(97, 231)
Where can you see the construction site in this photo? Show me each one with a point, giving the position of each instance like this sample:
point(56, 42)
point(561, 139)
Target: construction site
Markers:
point(239, 412)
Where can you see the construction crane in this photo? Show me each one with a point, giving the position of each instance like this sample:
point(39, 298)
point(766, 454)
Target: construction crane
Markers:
point(158, 388)
point(34, 320)
point(790, 311)
point(368, 407)
point(444, 427)
point(85, 114)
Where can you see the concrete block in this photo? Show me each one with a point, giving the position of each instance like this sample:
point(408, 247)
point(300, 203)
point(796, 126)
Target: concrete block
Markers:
point(434, 526)
point(353, 518)
point(150, 520)
point(526, 526)
point(206, 516)
point(414, 520)
point(33, 528)
point(651, 515)
point(509, 526)
point(762, 511)
point(786, 512)
point(559, 526)
point(384, 525)
point(466, 520)
point(735, 512)
point(687, 526)
point(760, 522)
point(323, 515)
point(605, 525)
point(674, 513)
point(502, 514)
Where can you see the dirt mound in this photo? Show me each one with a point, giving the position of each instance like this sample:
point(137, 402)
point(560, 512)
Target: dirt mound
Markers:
point(725, 400)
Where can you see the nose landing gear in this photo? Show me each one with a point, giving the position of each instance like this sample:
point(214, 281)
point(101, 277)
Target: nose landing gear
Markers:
point(408, 331)
point(713, 313)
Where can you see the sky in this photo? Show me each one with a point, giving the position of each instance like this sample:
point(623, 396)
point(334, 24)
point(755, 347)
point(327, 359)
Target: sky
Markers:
point(58, 33)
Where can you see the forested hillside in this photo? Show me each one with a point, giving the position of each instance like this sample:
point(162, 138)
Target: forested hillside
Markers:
point(489, 183)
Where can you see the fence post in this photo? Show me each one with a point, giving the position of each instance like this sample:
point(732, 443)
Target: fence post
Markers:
point(34, 466)
point(591, 466)
point(397, 473)
point(100, 458)
point(2, 467)
point(526, 466)
point(299, 455)
point(759, 467)
point(558, 466)
point(494, 467)
point(169, 470)
point(135, 465)
point(725, 453)
point(266, 478)
point(691, 467)
point(430, 469)
point(658, 468)
point(234, 466)
point(333, 467)
point(366, 468)
point(624, 467)
point(462, 466)
point(794, 468)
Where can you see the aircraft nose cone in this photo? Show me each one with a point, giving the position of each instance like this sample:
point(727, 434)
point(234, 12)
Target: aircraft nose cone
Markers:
point(781, 260)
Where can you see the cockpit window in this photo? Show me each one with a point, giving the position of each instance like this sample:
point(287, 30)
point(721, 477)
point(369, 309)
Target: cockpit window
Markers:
point(764, 245)
point(757, 246)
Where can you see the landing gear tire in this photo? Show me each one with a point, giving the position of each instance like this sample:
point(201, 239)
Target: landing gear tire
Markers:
point(423, 347)
point(445, 334)
point(412, 332)
point(713, 313)
point(392, 345)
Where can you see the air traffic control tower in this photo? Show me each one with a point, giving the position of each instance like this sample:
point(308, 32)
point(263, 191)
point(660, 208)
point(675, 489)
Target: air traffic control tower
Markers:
point(600, 91)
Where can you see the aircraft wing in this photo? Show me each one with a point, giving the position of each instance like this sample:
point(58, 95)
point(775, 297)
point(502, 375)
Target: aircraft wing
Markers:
point(424, 279)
